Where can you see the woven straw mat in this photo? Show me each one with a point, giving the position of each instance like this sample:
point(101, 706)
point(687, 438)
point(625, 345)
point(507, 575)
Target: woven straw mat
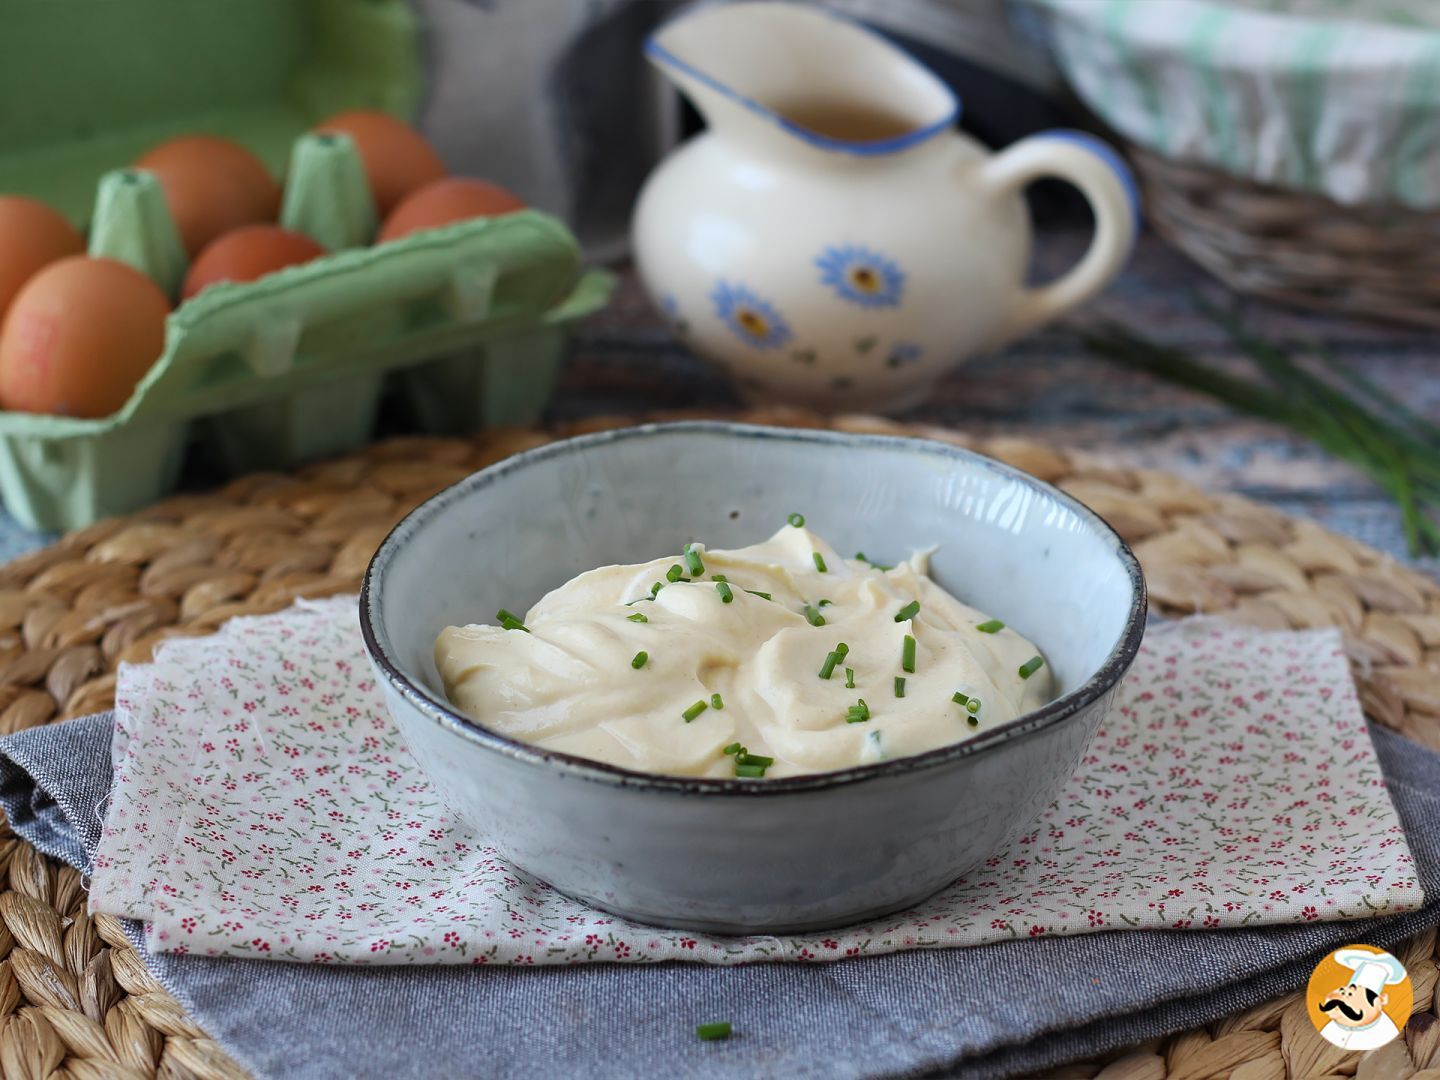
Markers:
point(75, 1000)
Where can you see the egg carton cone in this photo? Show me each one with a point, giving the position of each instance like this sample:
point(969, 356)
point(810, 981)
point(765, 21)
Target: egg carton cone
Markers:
point(469, 323)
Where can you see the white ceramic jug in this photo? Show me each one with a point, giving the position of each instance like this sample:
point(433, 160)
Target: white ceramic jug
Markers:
point(832, 239)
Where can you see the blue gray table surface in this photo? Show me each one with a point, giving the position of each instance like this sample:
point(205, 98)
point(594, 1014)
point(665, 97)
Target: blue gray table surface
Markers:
point(1046, 387)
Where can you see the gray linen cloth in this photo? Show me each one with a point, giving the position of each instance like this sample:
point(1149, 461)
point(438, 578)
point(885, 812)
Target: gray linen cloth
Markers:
point(994, 1010)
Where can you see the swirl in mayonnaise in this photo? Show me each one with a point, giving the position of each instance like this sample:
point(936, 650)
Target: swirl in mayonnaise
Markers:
point(573, 679)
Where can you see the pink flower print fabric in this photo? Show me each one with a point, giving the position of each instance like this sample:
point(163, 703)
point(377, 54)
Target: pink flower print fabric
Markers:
point(265, 806)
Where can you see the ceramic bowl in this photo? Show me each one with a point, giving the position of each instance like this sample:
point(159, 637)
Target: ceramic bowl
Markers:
point(742, 856)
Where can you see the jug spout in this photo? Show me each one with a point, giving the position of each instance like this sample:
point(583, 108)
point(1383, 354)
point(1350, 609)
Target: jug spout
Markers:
point(804, 76)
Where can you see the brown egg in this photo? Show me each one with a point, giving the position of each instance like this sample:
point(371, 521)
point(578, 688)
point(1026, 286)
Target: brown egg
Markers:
point(445, 202)
point(81, 334)
point(397, 158)
point(247, 253)
point(211, 186)
point(31, 236)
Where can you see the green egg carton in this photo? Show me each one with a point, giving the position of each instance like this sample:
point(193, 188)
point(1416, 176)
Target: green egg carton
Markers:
point(467, 324)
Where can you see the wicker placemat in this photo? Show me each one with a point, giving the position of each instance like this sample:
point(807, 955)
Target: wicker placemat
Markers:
point(75, 999)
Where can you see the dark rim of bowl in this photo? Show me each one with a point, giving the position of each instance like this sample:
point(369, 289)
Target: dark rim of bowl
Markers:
point(1106, 677)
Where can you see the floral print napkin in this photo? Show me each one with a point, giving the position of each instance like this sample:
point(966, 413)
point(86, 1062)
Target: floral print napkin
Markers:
point(265, 806)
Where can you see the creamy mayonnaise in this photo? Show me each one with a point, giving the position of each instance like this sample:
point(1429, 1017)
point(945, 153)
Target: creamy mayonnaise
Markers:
point(575, 681)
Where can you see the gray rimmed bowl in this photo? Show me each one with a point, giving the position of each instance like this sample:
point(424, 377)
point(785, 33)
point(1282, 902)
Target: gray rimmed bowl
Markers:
point(746, 856)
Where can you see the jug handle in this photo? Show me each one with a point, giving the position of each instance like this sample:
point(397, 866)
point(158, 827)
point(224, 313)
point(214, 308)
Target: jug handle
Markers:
point(1108, 185)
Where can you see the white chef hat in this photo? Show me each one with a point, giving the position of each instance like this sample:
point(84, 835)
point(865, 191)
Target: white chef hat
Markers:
point(1373, 971)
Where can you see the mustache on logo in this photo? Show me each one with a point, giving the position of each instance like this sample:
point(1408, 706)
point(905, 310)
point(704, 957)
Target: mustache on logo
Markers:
point(1336, 1003)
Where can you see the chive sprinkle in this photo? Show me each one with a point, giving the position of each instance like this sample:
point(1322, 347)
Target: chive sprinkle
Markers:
point(718, 1030)
point(819, 561)
point(860, 557)
point(849, 678)
point(994, 626)
point(755, 759)
point(762, 595)
point(812, 614)
point(959, 699)
point(510, 621)
point(723, 588)
point(692, 560)
point(973, 721)
point(637, 617)
point(909, 611)
point(734, 748)
point(639, 660)
point(718, 577)
point(828, 667)
point(751, 772)
point(655, 590)
point(716, 702)
point(843, 650)
point(675, 573)
point(798, 520)
point(694, 710)
point(899, 686)
point(825, 603)
point(907, 654)
point(973, 705)
point(1029, 667)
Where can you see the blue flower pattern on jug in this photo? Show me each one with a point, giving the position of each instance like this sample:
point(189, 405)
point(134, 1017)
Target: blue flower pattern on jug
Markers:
point(862, 276)
point(751, 319)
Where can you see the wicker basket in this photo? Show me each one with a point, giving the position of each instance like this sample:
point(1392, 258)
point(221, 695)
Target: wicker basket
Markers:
point(1297, 248)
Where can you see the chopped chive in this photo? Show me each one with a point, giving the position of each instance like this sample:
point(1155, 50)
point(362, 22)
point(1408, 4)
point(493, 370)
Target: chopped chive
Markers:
point(825, 603)
point(909, 611)
point(762, 595)
point(843, 650)
point(692, 560)
point(959, 699)
point(813, 615)
point(798, 520)
point(694, 711)
point(675, 573)
point(655, 590)
point(994, 626)
point(755, 759)
point(973, 721)
point(819, 561)
point(907, 654)
point(857, 713)
point(716, 702)
point(849, 678)
point(752, 772)
point(860, 556)
point(865, 707)
point(973, 706)
point(1029, 667)
point(718, 1030)
point(637, 617)
point(718, 577)
point(723, 589)
point(828, 667)
point(899, 686)
point(639, 659)
point(510, 621)
point(734, 748)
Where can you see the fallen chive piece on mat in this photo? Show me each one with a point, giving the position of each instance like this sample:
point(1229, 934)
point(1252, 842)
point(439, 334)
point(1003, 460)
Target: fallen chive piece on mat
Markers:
point(751, 772)
point(812, 614)
point(718, 1030)
point(1029, 667)
point(723, 588)
point(798, 520)
point(907, 654)
point(762, 595)
point(909, 611)
point(692, 560)
point(819, 563)
point(637, 617)
point(716, 702)
point(734, 748)
point(849, 678)
point(828, 667)
point(899, 686)
point(675, 573)
point(639, 661)
point(994, 626)
point(973, 721)
point(510, 621)
point(694, 711)
point(973, 705)
point(755, 759)
point(959, 699)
